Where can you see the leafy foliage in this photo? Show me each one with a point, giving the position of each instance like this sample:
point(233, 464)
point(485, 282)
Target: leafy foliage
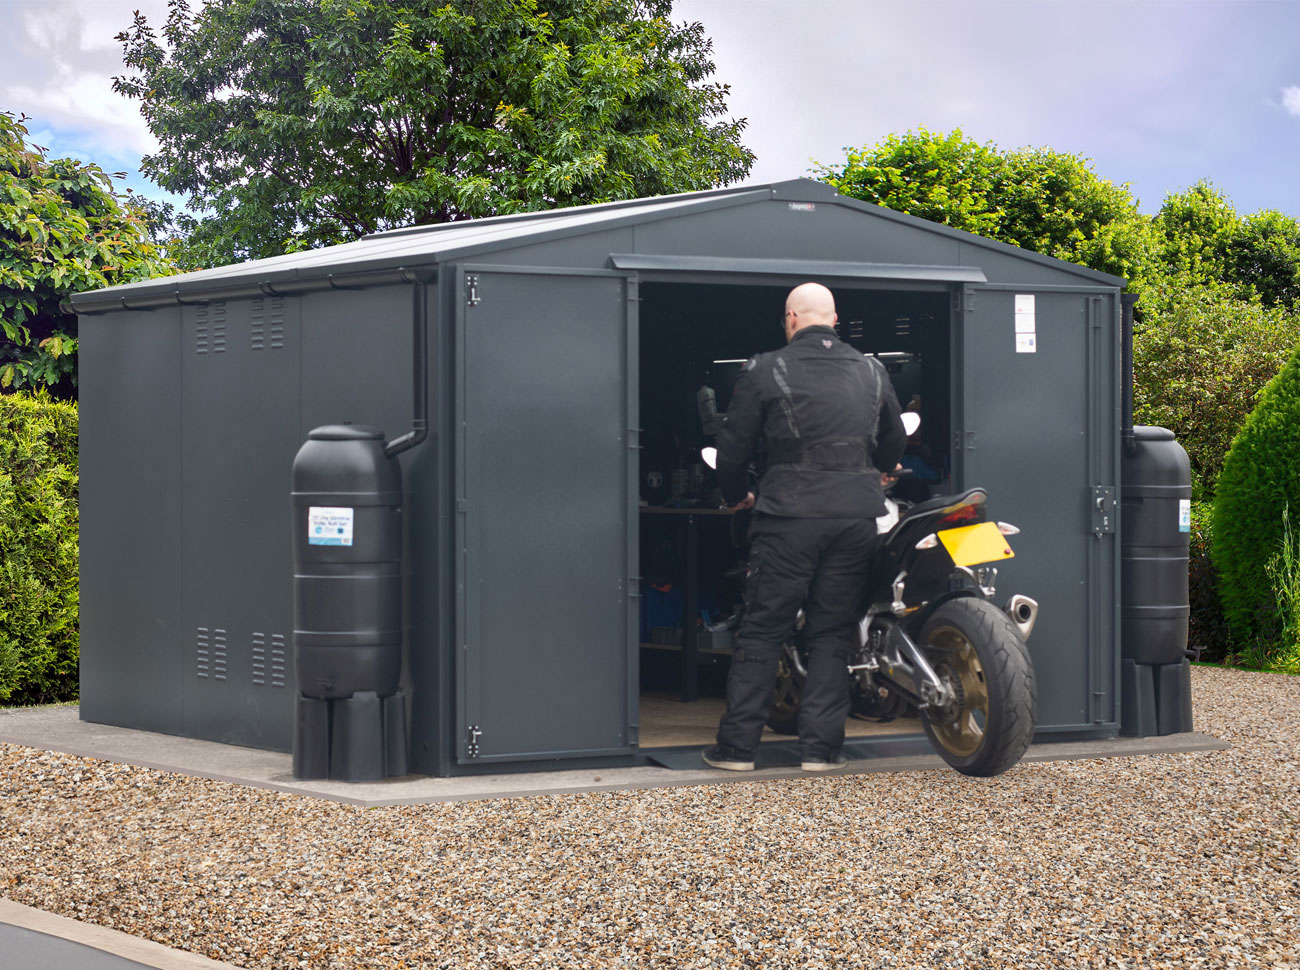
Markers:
point(1260, 479)
point(1284, 577)
point(62, 229)
point(1038, 199)
point(1207, 631)
point(295, 124)
point(38, 549)
point(1200, 360)
point(1264, 255)
point(1201, 239)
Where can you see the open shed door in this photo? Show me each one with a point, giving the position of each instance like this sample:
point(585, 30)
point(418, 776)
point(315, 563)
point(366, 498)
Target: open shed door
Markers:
point(545, 516)
point(1038, 427)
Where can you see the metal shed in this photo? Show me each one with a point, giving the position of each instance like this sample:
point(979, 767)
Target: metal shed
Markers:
point(564, 351)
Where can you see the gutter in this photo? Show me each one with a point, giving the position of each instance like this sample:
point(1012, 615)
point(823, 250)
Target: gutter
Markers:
point(105, 301)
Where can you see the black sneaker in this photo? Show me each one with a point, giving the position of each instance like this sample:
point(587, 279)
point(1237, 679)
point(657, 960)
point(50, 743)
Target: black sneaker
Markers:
point(821, 763)
point(727, 758)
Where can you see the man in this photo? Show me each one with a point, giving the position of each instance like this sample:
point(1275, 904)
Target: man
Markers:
point(829, 422)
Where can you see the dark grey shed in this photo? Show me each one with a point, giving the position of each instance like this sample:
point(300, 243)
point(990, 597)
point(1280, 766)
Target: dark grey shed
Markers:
point(564, 351)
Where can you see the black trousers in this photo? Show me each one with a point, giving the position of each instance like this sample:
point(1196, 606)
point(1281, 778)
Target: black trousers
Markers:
point(820, 565)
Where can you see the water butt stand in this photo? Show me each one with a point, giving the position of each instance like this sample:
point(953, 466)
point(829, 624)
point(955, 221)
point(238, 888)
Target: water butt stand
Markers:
point(350, 717)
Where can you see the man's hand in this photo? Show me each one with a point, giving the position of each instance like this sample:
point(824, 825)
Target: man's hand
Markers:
point(745, 503)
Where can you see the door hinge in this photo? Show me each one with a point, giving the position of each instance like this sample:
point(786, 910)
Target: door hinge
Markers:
point(634, 734)
point(964, 300)
point(1103, 510)
point(462, 505)
point(634, 586)
point(1099, 704)
point(472, 734)
point(634, 438)
point(471, 290)
point(964, 439)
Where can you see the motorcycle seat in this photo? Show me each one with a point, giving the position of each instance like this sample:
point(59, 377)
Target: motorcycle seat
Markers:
point(940, 502)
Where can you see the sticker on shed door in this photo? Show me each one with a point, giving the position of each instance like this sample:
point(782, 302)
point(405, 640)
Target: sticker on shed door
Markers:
point(327, 526)
point(1026, 324)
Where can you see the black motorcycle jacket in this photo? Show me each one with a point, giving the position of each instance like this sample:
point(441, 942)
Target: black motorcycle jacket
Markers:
point(828, 422)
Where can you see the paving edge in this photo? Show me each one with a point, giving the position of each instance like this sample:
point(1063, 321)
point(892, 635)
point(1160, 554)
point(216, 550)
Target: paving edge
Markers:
point(119, 944)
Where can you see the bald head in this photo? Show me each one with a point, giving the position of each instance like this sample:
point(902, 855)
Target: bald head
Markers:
point(808, 305)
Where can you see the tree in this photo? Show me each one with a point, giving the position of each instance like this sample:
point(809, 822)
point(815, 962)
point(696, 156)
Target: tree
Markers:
point(944, 178)
point(1201, 237)
point(299, 123)
point(1264, 255)
point(62, 229)
point(1038, 199)
point(1201, 357)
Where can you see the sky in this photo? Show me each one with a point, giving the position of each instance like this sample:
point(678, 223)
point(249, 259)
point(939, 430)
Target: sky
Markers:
point(1158, 94)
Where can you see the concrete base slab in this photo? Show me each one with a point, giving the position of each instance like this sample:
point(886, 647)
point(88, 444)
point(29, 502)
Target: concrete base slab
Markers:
point(60, 729)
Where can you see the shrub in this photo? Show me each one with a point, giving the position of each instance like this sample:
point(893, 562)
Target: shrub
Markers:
point(38, 549)
point(1260, 479)
point(1200, 359)
point(1207, 631)
point(1284, 577)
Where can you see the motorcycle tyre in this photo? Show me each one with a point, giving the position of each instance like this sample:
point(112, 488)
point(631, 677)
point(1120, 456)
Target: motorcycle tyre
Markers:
point(968, 636)
point(783, 716)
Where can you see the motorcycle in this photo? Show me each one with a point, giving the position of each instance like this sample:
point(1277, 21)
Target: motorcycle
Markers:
point(933, 639)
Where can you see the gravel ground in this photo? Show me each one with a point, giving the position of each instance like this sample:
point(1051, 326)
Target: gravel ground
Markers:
point(1160, 861)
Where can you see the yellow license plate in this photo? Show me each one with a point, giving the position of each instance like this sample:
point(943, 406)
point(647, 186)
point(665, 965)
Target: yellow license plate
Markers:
point(974, 544)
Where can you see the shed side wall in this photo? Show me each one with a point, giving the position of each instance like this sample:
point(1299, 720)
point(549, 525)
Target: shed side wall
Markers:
point(241, 400)
point(130, 498)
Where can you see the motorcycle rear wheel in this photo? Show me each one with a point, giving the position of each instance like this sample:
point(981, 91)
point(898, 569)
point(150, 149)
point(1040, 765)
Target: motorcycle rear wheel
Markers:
point(976, 650)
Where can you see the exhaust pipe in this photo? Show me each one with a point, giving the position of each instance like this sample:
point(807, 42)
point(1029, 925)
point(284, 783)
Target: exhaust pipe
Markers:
point(1023, 612)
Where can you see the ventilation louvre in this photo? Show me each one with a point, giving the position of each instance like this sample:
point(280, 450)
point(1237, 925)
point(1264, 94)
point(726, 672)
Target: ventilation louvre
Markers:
point(269, 666)
point(210, 328)
point(266, 323)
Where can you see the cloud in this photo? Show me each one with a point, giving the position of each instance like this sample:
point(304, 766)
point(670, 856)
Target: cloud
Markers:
point(60, 74)
point(1291, 100)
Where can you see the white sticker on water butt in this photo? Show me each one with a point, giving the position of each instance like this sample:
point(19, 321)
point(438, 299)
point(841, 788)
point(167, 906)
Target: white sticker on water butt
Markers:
point(327, 526)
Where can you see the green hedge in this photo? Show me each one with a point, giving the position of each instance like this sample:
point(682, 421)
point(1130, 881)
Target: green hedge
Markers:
point(1207, 631)
point(1200, 360)
point(38, 550)
point(1260, 480)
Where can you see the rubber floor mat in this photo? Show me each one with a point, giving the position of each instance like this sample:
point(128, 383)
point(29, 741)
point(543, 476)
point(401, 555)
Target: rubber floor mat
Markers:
point(785, 754)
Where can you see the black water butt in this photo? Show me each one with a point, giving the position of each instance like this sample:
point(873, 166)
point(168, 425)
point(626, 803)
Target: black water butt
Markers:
point(1155, 524)
point(350, 720)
